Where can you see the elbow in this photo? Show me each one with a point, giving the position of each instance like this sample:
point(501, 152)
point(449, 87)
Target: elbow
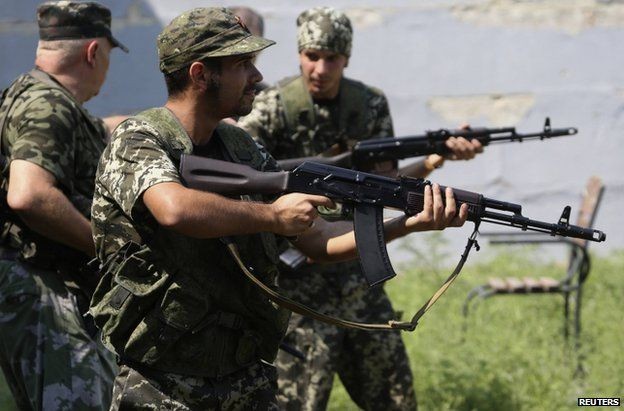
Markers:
point(170, 214)
point(169, 205)
point(23, 202)
point(171, 217)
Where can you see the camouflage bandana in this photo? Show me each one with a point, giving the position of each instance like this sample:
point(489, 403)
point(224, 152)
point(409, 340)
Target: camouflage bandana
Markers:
point(63, 20)
point(324, 28)
point(205, 32)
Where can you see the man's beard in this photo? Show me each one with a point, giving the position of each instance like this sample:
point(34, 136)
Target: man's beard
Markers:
point(245, 107)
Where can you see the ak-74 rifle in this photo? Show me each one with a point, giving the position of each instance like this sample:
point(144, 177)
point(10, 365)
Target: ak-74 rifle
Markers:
point(366, 153)
point(365, 195)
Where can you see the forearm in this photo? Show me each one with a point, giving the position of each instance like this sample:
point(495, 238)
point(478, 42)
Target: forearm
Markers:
point(335, 241)
point(206, 215)
point(56, 218)
point(422, 168)
point(328, 243)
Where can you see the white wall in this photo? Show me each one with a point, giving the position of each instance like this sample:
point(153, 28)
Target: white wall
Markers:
point(490, 63)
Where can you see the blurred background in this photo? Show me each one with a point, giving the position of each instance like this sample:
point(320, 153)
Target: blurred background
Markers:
point(490, 63)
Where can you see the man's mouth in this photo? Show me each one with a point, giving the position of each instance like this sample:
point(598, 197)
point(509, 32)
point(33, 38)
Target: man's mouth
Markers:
point(318, 83)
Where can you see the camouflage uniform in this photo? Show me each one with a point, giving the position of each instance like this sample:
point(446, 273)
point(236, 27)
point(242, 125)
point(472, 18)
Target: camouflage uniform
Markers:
point(190, 331)
point(48, 351)
point(373, 366)
point(192, 286)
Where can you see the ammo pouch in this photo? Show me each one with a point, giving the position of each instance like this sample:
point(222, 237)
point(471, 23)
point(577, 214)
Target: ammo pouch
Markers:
point(154, 318)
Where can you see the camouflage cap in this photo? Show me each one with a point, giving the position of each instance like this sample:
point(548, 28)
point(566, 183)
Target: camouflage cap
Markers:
point(63, 20)
point(324, 28)
point(205, 32)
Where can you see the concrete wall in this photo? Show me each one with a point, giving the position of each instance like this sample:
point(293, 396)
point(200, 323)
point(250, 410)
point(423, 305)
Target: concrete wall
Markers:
point(441, 63)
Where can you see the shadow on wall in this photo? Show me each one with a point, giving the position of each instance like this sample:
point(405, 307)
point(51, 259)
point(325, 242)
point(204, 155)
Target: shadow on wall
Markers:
point(133, 82)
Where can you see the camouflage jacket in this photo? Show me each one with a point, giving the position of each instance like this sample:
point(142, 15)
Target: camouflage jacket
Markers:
point(329, 123)
point(168, 301)
point(45, 125)
point(312, 133)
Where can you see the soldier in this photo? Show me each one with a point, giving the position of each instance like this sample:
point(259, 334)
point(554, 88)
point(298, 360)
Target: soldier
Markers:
point(49, 353)
point(190, 331)
point(307, 115)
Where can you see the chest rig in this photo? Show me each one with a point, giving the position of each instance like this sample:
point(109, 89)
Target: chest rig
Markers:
point(311, 133)
point(179, 304)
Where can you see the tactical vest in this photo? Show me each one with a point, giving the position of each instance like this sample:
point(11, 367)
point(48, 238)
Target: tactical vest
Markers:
point(179, 304)
point(300, 116)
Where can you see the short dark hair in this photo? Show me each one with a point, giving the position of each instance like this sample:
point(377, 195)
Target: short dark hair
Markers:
point(178, 80)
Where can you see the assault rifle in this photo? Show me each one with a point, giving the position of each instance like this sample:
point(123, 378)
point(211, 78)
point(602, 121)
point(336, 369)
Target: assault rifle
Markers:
point(365, 195)
point(368, 152)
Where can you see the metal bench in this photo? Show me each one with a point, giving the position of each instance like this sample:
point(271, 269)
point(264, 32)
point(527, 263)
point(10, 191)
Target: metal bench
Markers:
point(570, 285)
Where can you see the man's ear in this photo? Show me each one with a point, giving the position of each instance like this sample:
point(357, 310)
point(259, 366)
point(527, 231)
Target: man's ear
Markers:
point(91, 49)
point(199, 75)
point(347, 63)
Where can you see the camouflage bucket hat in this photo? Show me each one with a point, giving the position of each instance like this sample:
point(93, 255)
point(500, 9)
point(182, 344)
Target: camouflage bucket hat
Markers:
point(324, 28)
point(205, 32)
point(64, 20)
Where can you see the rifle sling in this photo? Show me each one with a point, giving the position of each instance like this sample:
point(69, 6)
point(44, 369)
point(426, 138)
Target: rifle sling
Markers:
point(302, 309)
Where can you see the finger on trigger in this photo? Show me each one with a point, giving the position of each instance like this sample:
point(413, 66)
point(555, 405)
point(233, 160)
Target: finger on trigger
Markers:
point(318, 201)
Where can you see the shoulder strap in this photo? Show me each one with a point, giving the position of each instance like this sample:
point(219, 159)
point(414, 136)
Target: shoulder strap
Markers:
point(170, 132)
point(353, 106)
point(240, 147)
point(47, 80)
point(298, 106)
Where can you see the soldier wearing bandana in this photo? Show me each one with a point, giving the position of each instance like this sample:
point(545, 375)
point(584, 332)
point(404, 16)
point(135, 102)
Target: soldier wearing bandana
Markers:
point(322, 111)
point(50, 354)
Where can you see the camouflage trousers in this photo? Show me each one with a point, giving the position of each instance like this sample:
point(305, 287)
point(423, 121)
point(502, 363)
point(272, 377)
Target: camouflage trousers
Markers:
point(252, 388)
point(372, 365)
point(49, 359)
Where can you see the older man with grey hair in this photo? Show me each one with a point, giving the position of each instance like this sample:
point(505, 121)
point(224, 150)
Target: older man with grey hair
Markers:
point(49, 352)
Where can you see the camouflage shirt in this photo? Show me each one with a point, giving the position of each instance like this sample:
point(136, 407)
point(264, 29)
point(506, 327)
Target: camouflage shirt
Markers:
point(316, 133)
point(268, 124)
point(192, 285)
point(133, 162)
point(45, 125)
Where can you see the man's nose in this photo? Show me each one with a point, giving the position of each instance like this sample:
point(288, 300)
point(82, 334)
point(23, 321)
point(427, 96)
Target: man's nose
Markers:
point(256, 75)
point(322, 66)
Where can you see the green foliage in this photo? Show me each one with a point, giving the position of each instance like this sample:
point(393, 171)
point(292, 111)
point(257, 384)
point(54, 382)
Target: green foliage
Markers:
point(6, 400)
point(433, 258)
point(510, 353)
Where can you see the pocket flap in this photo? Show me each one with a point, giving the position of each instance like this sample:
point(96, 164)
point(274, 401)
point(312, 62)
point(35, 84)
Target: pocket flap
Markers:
point(140, 274)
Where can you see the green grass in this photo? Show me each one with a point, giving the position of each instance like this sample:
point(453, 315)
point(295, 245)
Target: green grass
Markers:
point(510, 354)
point(6, 400)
